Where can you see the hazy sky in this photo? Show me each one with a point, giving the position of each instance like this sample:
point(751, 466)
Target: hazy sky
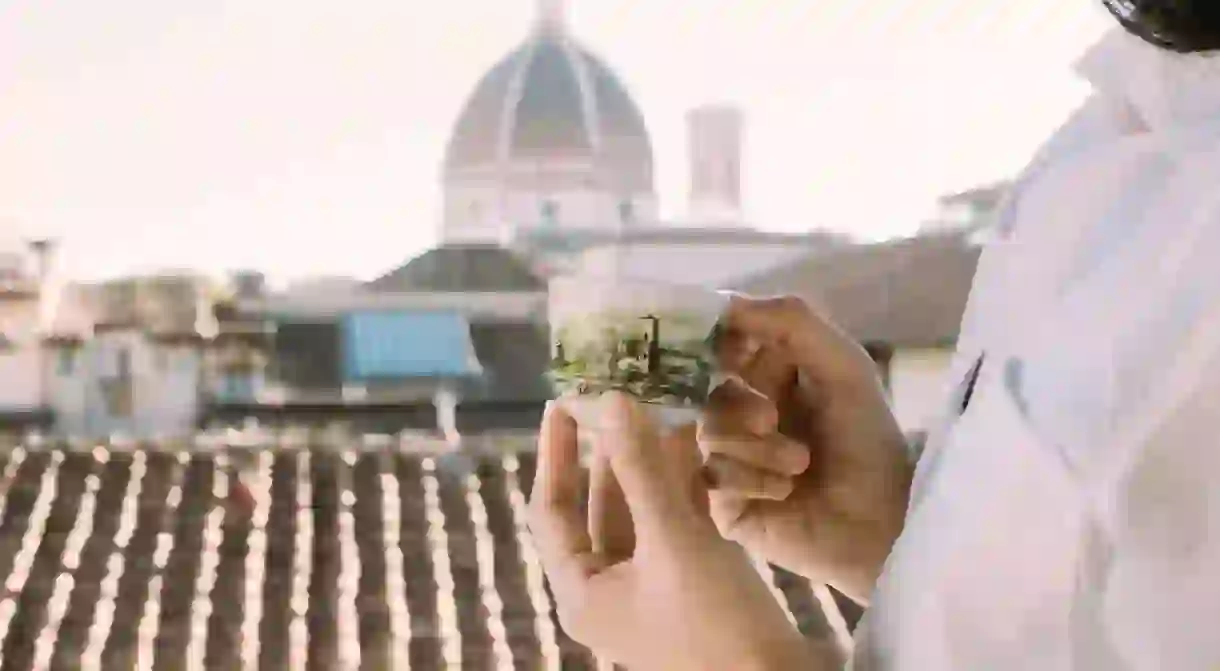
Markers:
point(304, 137)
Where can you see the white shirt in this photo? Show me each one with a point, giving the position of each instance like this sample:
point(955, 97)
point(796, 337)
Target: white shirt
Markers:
point(1070, 517)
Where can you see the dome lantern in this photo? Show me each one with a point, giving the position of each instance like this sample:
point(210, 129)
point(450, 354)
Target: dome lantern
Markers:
point(552, 15)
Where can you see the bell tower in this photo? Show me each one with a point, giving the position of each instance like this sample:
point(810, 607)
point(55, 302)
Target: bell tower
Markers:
point(714, 134)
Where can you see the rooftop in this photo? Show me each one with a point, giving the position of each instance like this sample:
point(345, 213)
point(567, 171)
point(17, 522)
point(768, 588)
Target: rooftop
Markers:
point(906, 293)
point(347, 573)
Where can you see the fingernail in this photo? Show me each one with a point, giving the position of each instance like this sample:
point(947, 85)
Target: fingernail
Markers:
point(797, 462)
point(709, 477)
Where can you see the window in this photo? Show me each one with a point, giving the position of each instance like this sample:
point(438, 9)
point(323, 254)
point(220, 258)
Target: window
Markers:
point(550, 212)
point(626, 211)
point(66, 361)
point(237, 387)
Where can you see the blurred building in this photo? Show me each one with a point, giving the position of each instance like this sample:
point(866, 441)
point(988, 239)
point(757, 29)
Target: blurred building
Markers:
point(551, 157)
point(548, 177)
point(548, 185)
point(23, 397)
point(459, 325)
point(126, 357)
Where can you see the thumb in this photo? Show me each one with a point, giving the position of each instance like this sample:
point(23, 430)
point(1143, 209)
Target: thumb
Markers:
point(631, 440)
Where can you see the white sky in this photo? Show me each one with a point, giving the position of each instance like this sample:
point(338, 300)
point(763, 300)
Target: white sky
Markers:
point(304, 137)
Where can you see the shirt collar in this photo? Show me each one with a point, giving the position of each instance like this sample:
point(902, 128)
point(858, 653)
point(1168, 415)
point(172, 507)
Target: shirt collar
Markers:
point(1163, 89)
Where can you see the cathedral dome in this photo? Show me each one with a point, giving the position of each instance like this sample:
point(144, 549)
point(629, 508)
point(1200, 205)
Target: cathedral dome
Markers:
point(551, 99)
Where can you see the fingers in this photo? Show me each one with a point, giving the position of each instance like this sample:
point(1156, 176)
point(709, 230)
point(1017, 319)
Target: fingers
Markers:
point(746, 454)
point(790, 324)
point(610, 523)
point(768, 320)
point(772, 372)
point(659, 505)
point(732, 477)
point(736, 409)
point(556, 518)
point(775, 454)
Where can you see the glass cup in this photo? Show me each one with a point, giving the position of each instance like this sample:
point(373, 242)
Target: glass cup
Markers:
point(651, 340)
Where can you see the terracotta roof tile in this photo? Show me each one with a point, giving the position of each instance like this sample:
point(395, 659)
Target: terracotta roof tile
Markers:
point(456, 268)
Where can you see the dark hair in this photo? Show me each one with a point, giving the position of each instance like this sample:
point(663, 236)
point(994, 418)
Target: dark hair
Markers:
point(1184, 26)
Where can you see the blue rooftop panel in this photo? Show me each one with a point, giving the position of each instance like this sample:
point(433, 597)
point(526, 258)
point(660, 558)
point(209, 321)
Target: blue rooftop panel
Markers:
point(399, 344)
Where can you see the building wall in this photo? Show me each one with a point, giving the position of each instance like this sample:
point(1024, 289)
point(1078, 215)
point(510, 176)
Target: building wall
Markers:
point(497, 207)
point(67, 388)
point(19, 379)
point(167, 392)
point(163, 384)
point(919, 386)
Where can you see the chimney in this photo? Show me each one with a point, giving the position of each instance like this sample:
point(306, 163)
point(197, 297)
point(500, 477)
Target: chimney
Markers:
point(715, 139)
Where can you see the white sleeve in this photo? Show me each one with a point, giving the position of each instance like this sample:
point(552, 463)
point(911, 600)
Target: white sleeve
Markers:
point(1160, 598)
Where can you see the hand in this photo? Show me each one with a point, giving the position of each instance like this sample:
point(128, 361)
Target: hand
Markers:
point(654, 586)
point(807, 465)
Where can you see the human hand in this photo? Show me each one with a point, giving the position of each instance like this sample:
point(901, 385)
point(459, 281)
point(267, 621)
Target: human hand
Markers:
point(806, 462)
point(653, 585)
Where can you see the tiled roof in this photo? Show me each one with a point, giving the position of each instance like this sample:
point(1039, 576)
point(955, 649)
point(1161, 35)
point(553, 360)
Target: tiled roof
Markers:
point(906, 293)
point(461, 268)
point(321, 558)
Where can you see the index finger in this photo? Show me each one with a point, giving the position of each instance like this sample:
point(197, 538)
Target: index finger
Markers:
point(557, 520)
point(789, 323)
